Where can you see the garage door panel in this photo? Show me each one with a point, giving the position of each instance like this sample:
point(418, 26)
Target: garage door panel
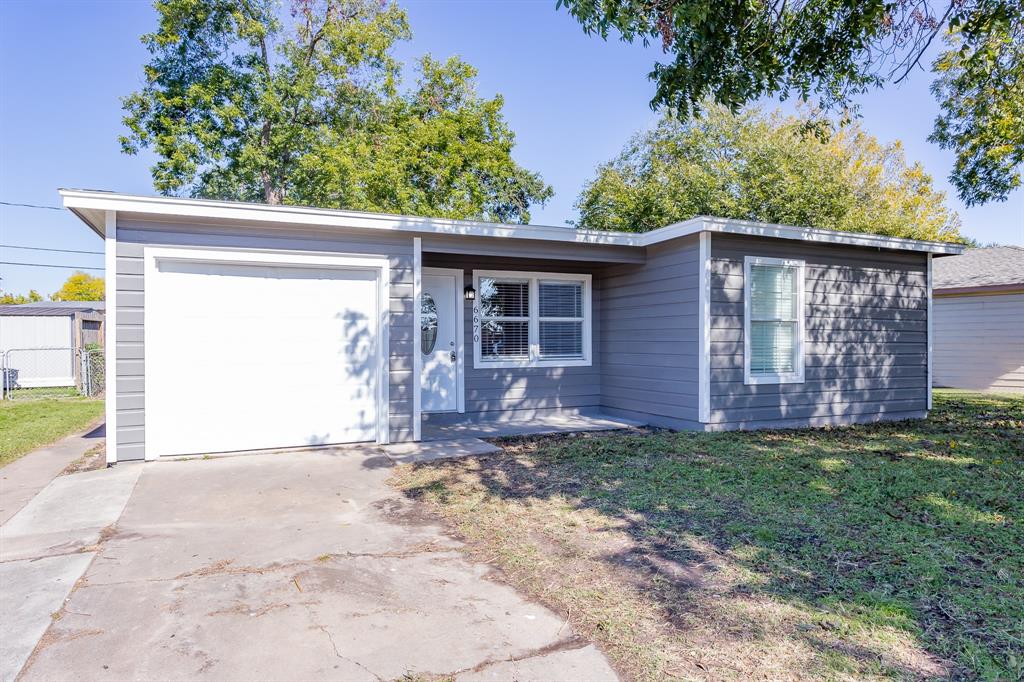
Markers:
point(246, 356)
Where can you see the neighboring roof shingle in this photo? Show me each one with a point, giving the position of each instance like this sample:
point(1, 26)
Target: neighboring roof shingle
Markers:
point(989, 267)
point(52, 308)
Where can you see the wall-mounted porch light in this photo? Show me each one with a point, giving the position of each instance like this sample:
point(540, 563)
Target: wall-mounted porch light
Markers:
point(470, 293)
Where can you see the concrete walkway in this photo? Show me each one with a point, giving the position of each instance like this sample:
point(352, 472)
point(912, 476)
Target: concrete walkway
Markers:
point(23, 478)
point(298, 566)
point(49, 543)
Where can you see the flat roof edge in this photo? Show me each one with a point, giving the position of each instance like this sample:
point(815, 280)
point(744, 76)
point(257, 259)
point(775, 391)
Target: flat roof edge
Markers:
point(81, 201)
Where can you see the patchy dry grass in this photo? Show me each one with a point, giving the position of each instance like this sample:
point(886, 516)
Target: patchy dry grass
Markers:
point(883, 551)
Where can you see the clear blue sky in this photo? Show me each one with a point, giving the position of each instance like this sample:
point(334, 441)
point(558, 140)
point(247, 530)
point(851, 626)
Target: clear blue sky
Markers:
point(572, 100)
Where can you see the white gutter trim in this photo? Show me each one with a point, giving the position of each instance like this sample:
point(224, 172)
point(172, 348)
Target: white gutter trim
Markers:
point(807, 234)
point(320, 217)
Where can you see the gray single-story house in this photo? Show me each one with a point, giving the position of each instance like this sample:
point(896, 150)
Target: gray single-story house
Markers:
point(239, 326)
point(39, 341)
point(979, 320)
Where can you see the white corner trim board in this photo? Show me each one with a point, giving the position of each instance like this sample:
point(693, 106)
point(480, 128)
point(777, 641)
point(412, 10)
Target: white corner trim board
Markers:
point(928, 331)
point(110, 340)
point(88, 203)
point(267, 393)
point(704, 329)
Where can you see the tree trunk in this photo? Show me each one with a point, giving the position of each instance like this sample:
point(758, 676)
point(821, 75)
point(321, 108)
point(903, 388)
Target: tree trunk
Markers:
point(271, 194)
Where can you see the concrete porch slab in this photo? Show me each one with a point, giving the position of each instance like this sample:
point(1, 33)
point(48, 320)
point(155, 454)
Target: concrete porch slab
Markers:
point(427, 451)
point(493, 428)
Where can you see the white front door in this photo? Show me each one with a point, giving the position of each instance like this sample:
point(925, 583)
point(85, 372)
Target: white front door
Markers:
point(439, 342)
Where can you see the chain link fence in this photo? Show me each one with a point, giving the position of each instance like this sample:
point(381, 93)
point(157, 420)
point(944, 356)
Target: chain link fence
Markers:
point(33, 373)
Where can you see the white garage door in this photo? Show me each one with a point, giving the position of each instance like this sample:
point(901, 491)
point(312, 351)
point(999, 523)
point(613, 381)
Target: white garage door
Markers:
point(246, 356)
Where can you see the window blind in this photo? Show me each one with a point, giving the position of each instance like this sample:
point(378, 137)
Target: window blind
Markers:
point(532, 319)
point(774, 325)
point(561, 319)
point(505, 319)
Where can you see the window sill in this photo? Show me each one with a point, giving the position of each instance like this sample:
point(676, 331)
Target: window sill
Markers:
point(774, 379)
point(526, 364)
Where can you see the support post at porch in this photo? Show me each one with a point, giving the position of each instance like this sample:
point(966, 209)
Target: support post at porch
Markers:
point(417, 356)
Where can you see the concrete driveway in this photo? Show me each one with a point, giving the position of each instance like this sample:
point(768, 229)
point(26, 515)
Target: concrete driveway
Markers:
point(300, 566)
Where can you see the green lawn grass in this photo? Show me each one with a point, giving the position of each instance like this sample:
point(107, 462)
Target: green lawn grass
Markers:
point(29, 423)
point(886, 551)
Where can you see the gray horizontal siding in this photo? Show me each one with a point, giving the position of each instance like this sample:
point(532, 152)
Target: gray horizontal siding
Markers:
point(979, 342)
point(522, 392)
point(133, 236)
point(530, 249)
point(866, 343)
point(649, 327)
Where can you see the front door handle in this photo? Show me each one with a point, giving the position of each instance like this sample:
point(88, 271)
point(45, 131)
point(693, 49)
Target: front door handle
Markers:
point(453, 356)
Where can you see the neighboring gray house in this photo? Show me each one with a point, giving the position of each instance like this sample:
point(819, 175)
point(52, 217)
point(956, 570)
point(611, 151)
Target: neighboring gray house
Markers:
point(39, 341)
point(241, 326)
point(979, 320)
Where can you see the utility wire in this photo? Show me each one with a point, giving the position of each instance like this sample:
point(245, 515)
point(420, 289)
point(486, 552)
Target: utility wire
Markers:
point(40, 248)
point(46, 265)
point(14, 203)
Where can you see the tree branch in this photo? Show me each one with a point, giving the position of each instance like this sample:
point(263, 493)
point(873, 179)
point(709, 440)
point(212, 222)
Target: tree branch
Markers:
point(920, 53)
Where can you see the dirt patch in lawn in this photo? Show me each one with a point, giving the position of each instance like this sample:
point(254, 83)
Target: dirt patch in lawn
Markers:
point(94, 458)
point(885, 551)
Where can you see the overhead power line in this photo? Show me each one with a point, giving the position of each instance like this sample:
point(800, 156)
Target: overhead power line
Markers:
point(15, 203)
point(47, 265)
point(40, 248)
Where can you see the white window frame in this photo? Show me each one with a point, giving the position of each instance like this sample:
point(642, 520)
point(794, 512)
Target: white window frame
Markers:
point(796, 376)
point(533, 319)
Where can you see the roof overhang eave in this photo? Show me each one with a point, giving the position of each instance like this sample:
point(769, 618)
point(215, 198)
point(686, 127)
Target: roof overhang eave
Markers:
point(91, 206)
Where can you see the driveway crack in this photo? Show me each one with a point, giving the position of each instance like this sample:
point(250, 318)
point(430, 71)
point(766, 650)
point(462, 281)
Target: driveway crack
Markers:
point(334, 645)
point(571, 643)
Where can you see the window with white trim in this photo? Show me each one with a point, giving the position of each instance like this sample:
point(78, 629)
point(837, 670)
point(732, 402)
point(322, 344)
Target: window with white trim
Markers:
point(531, 319)
point(773, 320)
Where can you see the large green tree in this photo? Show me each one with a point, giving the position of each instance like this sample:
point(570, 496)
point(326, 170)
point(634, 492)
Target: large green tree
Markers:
point(981, 92)
point(766, 167)
point(737, 51)
point(307, 108)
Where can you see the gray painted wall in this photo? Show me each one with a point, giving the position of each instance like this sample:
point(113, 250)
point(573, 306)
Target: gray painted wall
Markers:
point(550, 251)
point(130, 371)
point(648, 340)
point(865, 343)
point(979, 342)
point(520, 393)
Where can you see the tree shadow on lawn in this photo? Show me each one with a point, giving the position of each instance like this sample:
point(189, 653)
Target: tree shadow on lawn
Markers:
point(891, 549)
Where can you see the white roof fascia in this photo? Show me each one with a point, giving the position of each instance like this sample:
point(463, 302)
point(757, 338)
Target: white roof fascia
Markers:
point(321, 217)
point(809, 234)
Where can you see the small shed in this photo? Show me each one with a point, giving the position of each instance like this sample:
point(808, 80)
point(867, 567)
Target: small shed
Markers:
point(39, 341)
point(978, 311)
